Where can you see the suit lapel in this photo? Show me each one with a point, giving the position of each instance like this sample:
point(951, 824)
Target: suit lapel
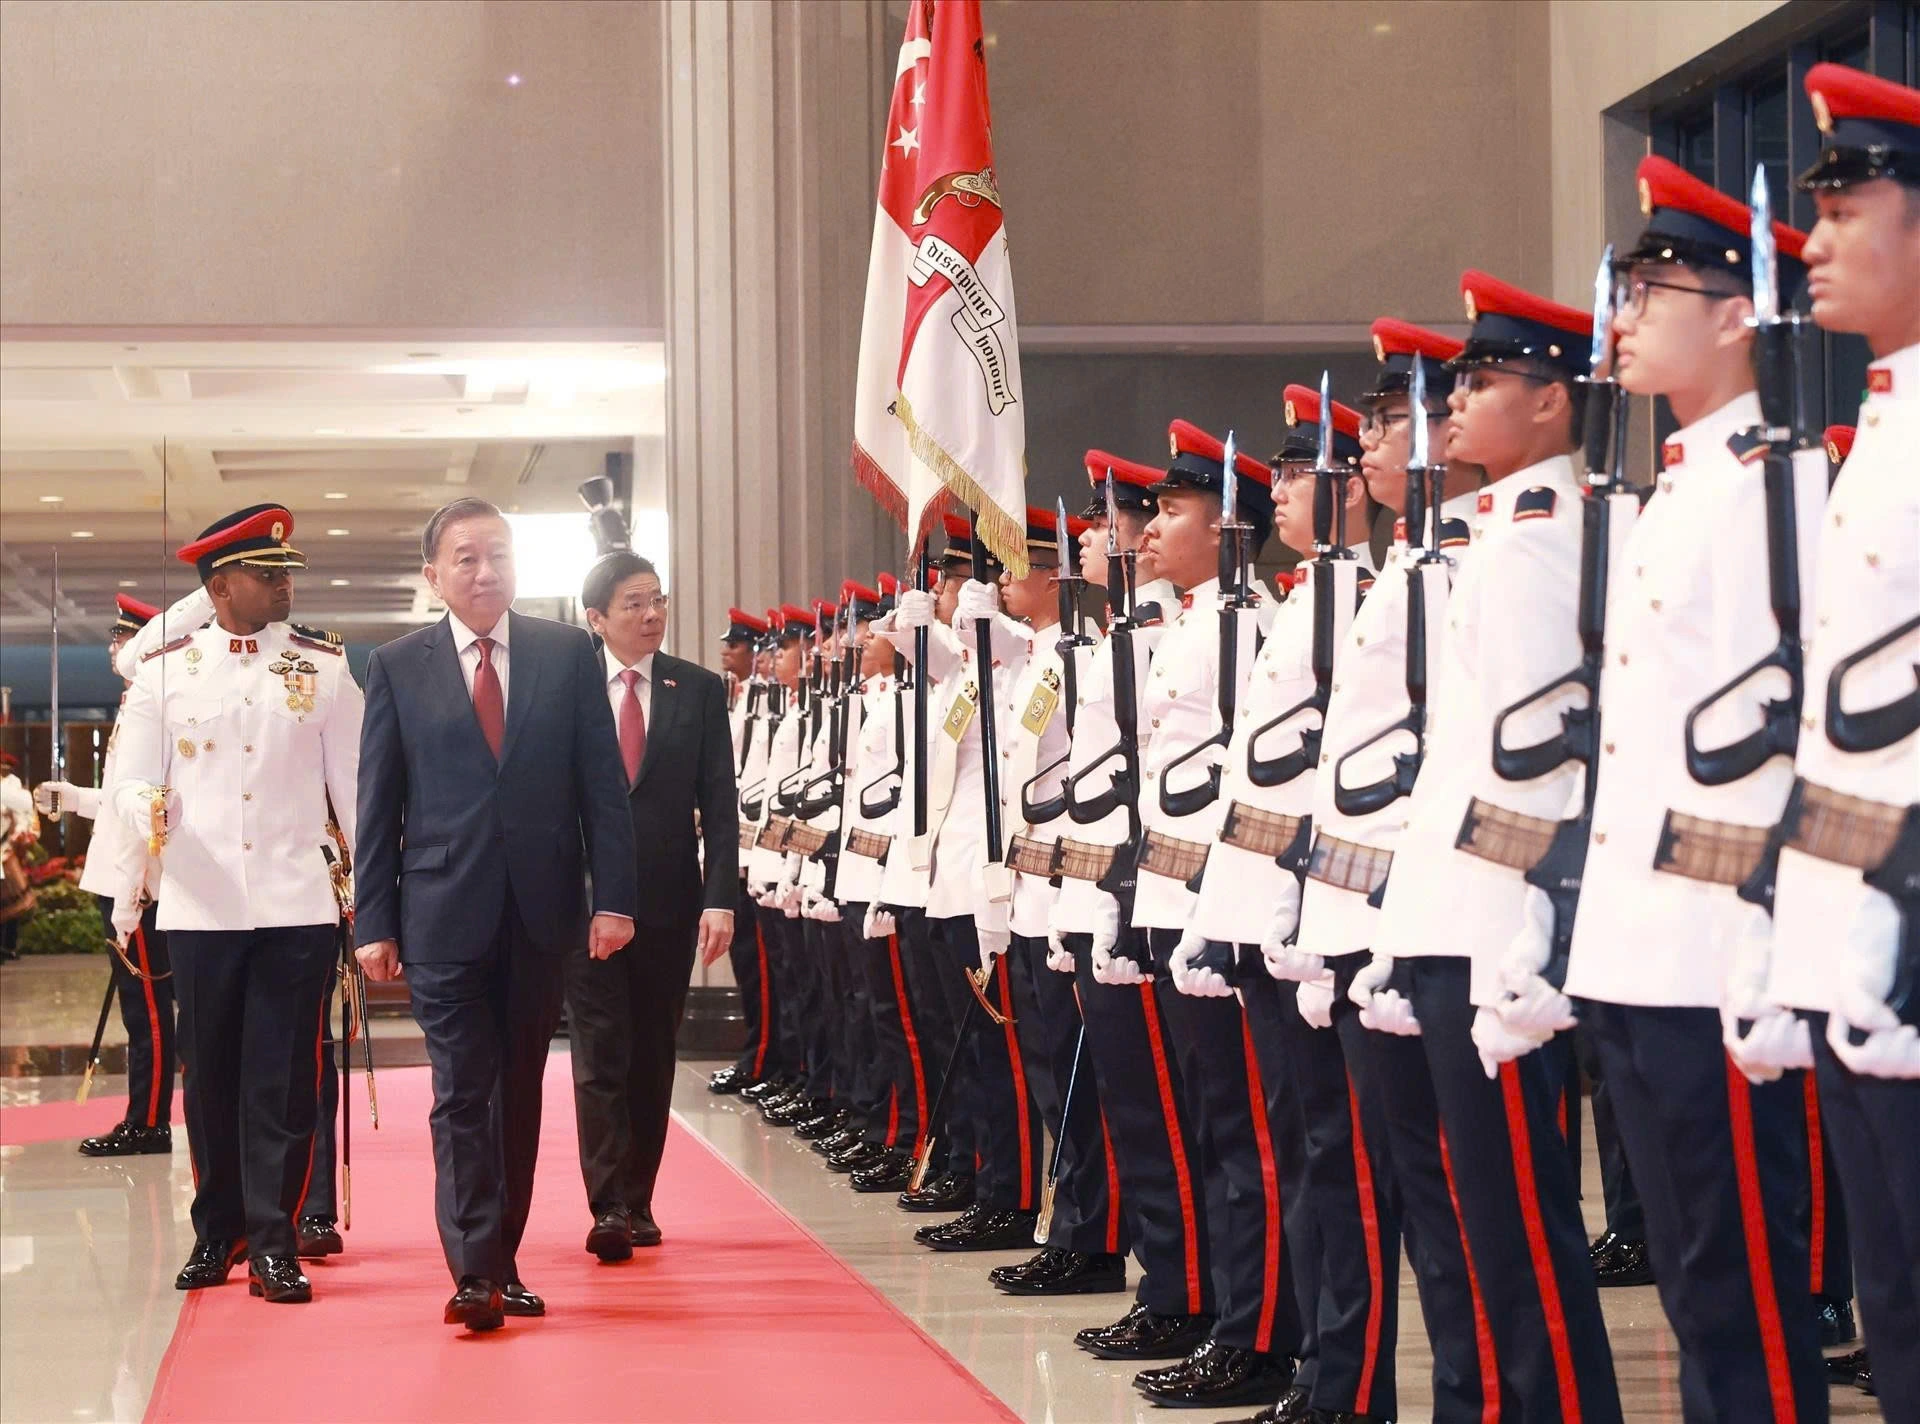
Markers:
point(443, 667)
point(523, 676)
point(660, 717)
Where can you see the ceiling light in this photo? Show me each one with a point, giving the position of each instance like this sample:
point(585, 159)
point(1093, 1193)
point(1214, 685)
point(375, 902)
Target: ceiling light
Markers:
point(334, 494)
point(53, 499)
point(83, 533)
point(129, 583)
point(513, 81)
point(329, 430)
point(338, 533)
point(339, 583)
point(423, 355)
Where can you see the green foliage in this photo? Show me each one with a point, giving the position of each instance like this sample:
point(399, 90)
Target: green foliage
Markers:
point(76, 931)
point(62, 895)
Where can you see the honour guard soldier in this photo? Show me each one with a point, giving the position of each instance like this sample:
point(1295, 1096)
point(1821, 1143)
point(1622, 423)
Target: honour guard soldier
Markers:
point(234, 741)
point(1843, 931)
point(779, 1060)
point(748, 954)
point(1511, 629)
point(142, 972)
point(1153, 1136)
point(1248, 1355)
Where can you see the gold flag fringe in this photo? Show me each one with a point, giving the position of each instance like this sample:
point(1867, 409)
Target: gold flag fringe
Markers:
point(1004, 534)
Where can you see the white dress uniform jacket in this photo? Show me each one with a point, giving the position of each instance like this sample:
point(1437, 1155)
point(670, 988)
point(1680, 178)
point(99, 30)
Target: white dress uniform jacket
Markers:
point(767, 867)
point(1868, 583)
point(873, 771)
point(1031, 726)
point(1511, 629)
point(255, 735)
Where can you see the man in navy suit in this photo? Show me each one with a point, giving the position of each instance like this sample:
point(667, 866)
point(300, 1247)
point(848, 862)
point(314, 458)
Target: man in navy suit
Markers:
point(490, 784)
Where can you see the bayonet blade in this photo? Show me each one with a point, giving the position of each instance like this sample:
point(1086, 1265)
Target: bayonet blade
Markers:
point(1326, 421)
point(1229, 483)
point(1113, 519)
point(1602, 313)
point(1766, 289)
point(1417, 415)
point(1067, 547)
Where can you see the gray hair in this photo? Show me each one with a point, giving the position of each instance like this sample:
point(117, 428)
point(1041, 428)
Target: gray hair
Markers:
point(469, 507)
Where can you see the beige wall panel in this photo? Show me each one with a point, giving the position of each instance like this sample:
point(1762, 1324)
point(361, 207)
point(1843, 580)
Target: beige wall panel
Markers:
point(356, 163)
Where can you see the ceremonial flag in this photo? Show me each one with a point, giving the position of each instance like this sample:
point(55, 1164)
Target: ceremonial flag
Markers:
point(937, 408)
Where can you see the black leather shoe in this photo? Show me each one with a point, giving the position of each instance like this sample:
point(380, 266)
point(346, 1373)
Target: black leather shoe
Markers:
point(1602, 1248)
point(729, 1080)
point(890, 1173)
point(612, 1236)
point(857, 1157)
point(793, 1111)
point(318, 1237)
point(278, 1281)
point(764, 1089)
point(479, 1304)
point(826, 1125)
point(1296, 1407)
point(838, 1141)
point(963, 1222)
point(129, 1140)
point(516, 1299)
point(1627, 1264)
point(1217, 1375)
point(1836, 1321)
point(210, 1263)
point(1847, 1368)
point(940, 1194)
point(996, 1231)
point(1063, 1273)
point(644, 1230)
point(1142, 1335)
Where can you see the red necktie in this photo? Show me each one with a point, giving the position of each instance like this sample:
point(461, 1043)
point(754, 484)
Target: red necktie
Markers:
point(633, 726)
point(489, 707)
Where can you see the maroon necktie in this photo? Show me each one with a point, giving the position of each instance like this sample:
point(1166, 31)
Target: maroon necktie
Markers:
point(633, 726)
point(489, 707)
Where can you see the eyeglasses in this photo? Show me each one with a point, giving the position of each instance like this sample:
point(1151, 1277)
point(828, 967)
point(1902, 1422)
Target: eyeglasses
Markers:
point(657, 604)
point(1630, 293)
point(1290, 474)
point(1483, 378)
point(1376, 424)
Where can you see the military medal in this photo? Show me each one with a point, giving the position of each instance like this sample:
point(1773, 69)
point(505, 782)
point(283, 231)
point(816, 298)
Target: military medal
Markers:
point(1040, 708)
point(301, 679)
point(187, 748)
point(960, 715)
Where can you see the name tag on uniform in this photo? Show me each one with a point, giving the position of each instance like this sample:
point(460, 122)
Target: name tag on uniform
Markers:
point(1040, 708)
point(960, 715)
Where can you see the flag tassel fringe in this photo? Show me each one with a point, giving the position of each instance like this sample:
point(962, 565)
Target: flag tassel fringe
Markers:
point(1003, 533)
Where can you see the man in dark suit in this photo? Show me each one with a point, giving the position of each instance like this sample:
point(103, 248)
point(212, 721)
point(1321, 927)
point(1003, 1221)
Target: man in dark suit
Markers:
point(676, 771)
point(489, 785)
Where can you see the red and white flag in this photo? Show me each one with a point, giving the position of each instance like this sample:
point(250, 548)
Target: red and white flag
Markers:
point(937, 408)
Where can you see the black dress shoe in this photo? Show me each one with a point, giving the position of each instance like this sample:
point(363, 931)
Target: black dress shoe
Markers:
point(1847, 1368)
point(963, 1222)
point(210, 1263)
point(479, 1304)
point(944, 1193)
point(129, 1140)
point(1063, 1273)
point(1142, 1335)
point(278, 1281)
point(996, 1231)
point(764, 1089)
point(644, 1231)
point(729, 1080)
point(858, 1157)
point(516, 1299)
point(1217, 1375)
point(1296, 1407)
point(826, 1125)
point(790, 1112)
point(318, 1237)
point(1627, 1264)
point(838, 1141)
point(1602, 1248)
point(612, 1236)
point(1836, 1321)
point(890, 1173)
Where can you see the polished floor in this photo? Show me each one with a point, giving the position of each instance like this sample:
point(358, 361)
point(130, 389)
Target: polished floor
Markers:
point(88, 1249)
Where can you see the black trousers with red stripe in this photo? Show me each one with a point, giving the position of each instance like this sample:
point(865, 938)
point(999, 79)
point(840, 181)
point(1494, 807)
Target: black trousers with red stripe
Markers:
point(1348, 1186)
point(1829, 1252)
point(1872, 1127)
point(146, 1008)
point(748, 956)
point(250, 1005)
point(1155, 1141)
point(1086, 1212)
point(937, 1003)
point(899, 1070)
point(1722, 1176)
point(1006, 1121)
point(1520, 1203)
point(1227, 1096)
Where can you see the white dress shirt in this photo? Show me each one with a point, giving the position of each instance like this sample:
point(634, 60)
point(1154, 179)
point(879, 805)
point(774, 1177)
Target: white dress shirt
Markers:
point(464, 639)
point(617, 690)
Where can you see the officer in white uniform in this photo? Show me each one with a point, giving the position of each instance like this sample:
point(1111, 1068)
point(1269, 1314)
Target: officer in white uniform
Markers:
point(235, 741)
point(746, 715)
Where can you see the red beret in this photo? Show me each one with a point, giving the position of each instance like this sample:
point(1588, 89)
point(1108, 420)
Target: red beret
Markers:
point(858, 592)
point(1125, 472)
point(1303, 408)
point(792, 614)
point(746, 620)
point(1512, 325)
point(1394, 337)
point(1869, 128)
point(1669, 187)
point(1186, 438)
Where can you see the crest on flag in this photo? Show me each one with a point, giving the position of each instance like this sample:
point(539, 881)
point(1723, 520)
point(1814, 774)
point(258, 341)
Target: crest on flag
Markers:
point(938, 413)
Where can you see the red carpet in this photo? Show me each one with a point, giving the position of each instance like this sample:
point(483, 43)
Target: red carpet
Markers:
point(49, 1122)
point(740, 1316)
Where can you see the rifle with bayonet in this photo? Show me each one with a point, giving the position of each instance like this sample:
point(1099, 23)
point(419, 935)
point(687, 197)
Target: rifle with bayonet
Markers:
point(810, 708)
point(1872, 729)
point(1558, 867)
point(1426, 482)
point(1067, 584)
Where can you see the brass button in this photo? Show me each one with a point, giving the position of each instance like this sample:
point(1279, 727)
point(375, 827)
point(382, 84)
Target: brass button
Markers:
point(1336, 687)
point(1873, 561)
point(249, 750)
point(1623, 659)
point(1807, 721)
point(1838, 519)
point(1325, 757)
point(246, 796)
point(246, 845)
point(193, 721)
point(1609, 748)
point(206, 746)
point(249, 702)
point(1599, 837)
point(1656, 605)
point(1156, 721)
point(1359, 642)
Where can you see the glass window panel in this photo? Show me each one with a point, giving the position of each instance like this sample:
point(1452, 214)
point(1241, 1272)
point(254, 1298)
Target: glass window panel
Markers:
point(1851, 50)
point(1767, 137)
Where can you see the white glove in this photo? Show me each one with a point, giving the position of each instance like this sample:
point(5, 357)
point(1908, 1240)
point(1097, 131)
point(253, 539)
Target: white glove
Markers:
point(1499, 1042)
point(1868, 961)
point(1284, 960)
point(135, 808)
point(1381, 1009)
point(993, 944)
point(1059, 957)
point(1778, 1038)
point(126, 917)
point(976, 601)
point(49, 795)
point(915, 609)
point(1109, 968)
point(1314, 1000)
point(825, 909)
point(790, 899)
point(1190, 978)
point(1529, 1005)
point(878, 924)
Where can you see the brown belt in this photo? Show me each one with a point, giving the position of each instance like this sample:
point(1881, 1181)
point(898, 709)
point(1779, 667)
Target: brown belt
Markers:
point(1504, 837)
point(1032, 857)
point(1176, 859)
point(1718, 852)
point(1348, 865)
point(869, 843)
point(1080, 861)
point(1846, 830)
point(773, 835)
point(1264, 832)
point(804, 839)
point(749, 834)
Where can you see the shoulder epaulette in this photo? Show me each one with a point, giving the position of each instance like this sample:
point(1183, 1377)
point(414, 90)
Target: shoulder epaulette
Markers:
point(1536, 503)
point(316, 635)
point(174, 646)
point(1454, 533)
